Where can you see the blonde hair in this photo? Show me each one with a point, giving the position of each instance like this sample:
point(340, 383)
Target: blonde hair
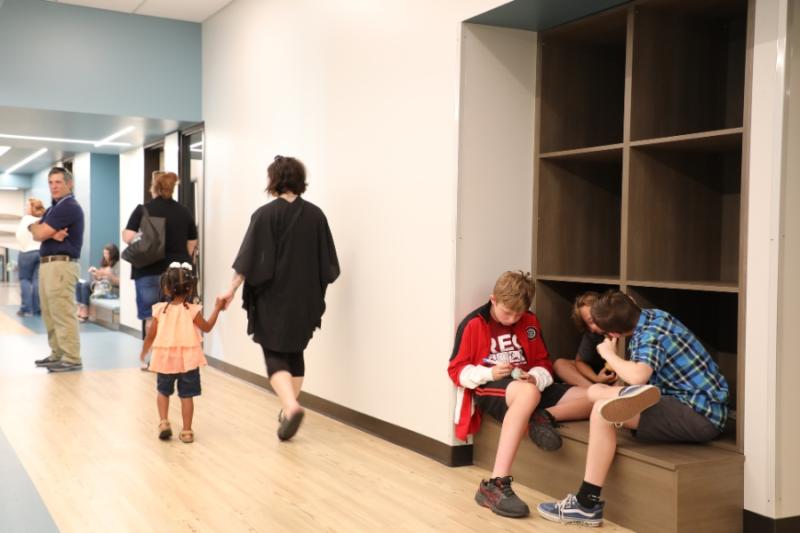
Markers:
point(37, 207)
point(514, 290)
point(587, 299)
point(163, 184)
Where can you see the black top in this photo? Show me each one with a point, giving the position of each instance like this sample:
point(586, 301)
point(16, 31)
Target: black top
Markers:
point(180, 228)
point(288, 259)
point(65, 212)
point(587, 351)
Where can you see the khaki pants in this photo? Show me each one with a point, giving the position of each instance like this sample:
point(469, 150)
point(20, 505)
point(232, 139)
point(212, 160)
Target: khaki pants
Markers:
point(57, 294)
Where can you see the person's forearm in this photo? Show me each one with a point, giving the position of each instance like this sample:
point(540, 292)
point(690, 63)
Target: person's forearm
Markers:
point(39, 232)
point(630, 371)
point(236, 282)
point(585, 370)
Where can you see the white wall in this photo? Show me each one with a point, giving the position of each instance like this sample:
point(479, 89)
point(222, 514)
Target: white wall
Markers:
point(766, 127)
point(495, 189)
point(82, 174)
point(788, 365)
point(366, 94)
point(131, 185)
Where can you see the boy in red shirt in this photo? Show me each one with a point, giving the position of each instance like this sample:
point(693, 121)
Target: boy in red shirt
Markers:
point(501, 367)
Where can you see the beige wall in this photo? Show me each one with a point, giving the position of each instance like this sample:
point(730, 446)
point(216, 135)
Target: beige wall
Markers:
point(498, 73)
point(131, 184)
point(366, 94)
point(788, 367)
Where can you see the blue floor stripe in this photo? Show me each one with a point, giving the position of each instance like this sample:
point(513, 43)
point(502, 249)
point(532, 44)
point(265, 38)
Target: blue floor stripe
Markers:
point(101, 349)
point(21, 508)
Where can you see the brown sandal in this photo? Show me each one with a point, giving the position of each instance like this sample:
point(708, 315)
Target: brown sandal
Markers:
point(187, 436)
point(164, 430)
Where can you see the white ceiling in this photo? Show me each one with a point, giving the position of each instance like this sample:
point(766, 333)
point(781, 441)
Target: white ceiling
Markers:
point(190, 10)
point(70, 126)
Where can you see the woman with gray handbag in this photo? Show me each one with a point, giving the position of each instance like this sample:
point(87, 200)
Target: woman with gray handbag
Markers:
point(179, 241)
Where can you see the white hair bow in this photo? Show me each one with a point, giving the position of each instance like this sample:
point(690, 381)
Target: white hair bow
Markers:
point(184, 265)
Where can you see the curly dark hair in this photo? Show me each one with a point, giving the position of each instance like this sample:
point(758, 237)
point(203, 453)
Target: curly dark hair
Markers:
point(179, 282)
point(286, 174)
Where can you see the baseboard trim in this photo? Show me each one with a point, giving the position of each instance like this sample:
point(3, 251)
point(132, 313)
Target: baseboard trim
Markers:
point(133, 332)
point(438, 451)
point(756, 523)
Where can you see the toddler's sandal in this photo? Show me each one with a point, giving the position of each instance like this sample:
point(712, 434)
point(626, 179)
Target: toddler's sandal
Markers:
point(164, 430)
point(187, 436)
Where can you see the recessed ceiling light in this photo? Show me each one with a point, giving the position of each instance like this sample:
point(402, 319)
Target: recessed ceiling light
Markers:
point(25, 161)
point(113, 136)
point(9, 188)
point(4, 149)
point(57, 140)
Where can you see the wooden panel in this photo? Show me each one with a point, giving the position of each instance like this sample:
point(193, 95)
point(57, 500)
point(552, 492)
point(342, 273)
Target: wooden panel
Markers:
point(719, 487)
point(579, 217)
point(650, 487)
point(684, 216)
point(582, 83)
point(688, 67)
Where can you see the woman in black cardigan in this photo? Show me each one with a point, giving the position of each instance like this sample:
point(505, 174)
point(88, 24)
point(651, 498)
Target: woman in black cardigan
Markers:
point(286, 261)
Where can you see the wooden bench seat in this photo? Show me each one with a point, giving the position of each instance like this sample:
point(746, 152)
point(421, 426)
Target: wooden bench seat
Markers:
point(105, 312)
point(650, 487)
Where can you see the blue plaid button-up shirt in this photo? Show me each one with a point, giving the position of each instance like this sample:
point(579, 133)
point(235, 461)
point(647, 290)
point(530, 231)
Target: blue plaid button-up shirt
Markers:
point(681, 365)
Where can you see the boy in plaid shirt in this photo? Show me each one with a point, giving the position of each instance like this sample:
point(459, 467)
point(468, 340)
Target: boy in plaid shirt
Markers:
point(677, 394)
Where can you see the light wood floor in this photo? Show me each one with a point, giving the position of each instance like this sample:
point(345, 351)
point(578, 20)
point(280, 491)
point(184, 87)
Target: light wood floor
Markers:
point(88, 441)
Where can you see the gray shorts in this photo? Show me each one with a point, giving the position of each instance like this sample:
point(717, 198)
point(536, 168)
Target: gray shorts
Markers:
point(671, 420)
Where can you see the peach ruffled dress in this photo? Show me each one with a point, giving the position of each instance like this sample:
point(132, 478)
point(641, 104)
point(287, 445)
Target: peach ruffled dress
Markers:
point(176, 348)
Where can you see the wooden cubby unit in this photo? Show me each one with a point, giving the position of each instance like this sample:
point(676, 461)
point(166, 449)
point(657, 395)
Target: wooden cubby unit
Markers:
point(583, 83)
point(579, 214)
point(638, 174)
point(684, 212)
point(688, 66)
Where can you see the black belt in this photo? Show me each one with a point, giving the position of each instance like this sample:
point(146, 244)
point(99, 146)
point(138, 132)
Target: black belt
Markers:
point(50, 258)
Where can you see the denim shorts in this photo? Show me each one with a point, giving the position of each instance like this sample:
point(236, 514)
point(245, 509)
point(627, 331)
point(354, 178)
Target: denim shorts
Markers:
point(148, 293)
point(188, 383)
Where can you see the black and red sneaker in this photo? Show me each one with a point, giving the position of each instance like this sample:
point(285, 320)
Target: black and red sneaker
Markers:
point(542, 431)
point(497, 495)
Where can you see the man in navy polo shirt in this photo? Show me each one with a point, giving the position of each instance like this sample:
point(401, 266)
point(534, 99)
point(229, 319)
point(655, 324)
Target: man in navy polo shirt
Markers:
point(61, 233)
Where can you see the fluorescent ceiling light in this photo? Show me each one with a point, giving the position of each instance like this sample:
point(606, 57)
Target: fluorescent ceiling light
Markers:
point(9, 188)
point(4, 149)
point(57, 140)
point(113, 136)
point(25, 161)
point(196, 147)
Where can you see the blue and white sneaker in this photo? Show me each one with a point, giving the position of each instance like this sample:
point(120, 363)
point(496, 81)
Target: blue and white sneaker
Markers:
point(631, 401)
point(569, 511)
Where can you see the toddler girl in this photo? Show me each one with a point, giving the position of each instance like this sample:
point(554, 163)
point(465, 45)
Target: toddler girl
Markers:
point(174, 335)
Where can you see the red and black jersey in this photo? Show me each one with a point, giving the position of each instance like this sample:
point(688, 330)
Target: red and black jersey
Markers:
point(473, 344)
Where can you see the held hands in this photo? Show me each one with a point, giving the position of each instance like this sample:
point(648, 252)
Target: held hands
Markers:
point(220, 304)
point(225, 298)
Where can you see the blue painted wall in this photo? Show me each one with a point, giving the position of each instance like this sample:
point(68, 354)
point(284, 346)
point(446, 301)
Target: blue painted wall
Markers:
point(21, 181)
point(95, 61)
point(104, 209)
